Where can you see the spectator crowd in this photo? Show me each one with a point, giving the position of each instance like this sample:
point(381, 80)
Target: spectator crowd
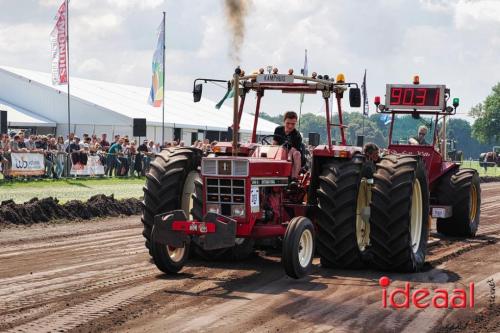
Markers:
point(122, 157)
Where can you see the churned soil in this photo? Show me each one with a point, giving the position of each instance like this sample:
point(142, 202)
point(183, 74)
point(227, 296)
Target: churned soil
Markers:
point(48, 209)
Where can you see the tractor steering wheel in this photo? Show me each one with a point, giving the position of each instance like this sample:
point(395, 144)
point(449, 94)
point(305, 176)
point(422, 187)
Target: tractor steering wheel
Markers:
point(265, 141)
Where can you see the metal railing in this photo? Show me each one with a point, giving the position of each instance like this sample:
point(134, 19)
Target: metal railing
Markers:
point(34, 165)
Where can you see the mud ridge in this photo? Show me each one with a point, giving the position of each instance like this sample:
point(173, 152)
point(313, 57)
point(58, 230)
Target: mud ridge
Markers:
point(49, 209)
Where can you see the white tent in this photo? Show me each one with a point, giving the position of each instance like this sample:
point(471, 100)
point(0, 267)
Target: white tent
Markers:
point(104, 107)
point(19, 117)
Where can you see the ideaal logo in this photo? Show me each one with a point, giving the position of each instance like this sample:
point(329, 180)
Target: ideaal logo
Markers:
point(423, 297)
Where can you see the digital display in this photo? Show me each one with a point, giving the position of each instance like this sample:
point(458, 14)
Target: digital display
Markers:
point(415, 97)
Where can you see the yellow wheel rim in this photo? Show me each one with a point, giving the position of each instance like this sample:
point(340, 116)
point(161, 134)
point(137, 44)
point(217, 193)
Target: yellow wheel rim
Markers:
point(473, 203)
point(416, 216)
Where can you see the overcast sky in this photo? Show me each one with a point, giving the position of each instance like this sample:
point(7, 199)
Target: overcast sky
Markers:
point(452, 42)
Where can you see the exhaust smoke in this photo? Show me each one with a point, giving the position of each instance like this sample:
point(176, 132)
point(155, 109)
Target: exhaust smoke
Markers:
point(236, 11)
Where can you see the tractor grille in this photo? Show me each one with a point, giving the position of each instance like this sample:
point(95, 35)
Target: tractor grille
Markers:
point(226, 192)
point(224, 167)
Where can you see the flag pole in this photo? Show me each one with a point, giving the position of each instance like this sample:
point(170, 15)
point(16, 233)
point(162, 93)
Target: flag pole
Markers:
point(304, 73)
point(163, 87)
point(67, 68)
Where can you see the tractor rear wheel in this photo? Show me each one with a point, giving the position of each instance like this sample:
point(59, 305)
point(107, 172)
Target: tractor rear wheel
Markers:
point(298, 247)
point(399, 218)
point(342, 234)
point(243, 248)
point(169, 185)
point(461, 190)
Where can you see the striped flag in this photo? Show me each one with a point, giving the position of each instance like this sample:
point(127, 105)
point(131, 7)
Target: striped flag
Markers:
point(156, 93)
point(58, 41)
point(366, 107)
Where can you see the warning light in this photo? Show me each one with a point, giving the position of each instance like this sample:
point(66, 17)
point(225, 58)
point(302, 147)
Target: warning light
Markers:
point(275, 70)
point(340, 78)
point(416, 79)
point(261, 70)
point(290, 71)
point(314, 74)
point(456, 102)
point(377, 101)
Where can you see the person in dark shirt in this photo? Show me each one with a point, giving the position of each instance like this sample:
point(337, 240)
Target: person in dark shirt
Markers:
point(288, 135)
point(372, 152)
point(104, 142)
point(420, 139)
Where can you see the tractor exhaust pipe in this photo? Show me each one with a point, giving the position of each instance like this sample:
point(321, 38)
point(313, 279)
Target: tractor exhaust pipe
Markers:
point(236, 122)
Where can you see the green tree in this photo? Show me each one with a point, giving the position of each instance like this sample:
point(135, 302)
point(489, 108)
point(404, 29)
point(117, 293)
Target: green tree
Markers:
point(461, 131)
point(486, 127)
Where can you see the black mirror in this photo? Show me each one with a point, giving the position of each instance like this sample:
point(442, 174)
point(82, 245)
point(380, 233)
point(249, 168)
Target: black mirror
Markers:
point(197, 91)
point(355, 97)
point(314, 139)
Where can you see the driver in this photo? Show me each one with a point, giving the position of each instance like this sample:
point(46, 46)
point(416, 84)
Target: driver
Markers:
point(420, 139)
point(288, 134)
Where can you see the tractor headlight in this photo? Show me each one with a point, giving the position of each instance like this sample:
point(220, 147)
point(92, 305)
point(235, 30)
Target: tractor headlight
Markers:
point(238, 210)
point(213, 208)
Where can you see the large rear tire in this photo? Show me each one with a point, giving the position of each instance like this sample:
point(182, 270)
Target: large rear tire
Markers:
point(337, 241)
point(461, 190)
point(169, 185)
point(399, 218)
point(298, 247)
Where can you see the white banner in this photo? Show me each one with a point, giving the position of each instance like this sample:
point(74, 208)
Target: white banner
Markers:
point(58, 46)
point(92, 168)
point(27, 164)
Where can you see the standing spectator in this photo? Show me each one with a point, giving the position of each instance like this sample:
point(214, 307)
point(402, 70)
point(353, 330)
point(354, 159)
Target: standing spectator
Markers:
point(43, 146)
point(4, 152)
point(30, 144)
point(143, 151)
point(57, 148)
point(156, 149)
point(112, 162)
point(104, 142)
point(69, 140)
point(75, 150)
point(18, 145)
point(124, 158)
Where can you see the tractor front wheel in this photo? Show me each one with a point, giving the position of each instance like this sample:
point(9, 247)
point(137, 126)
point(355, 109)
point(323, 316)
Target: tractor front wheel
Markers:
point(168, 259)
point(298, 247)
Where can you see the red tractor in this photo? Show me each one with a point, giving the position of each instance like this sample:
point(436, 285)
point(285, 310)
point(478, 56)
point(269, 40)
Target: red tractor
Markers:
point(222, 204)
point(414, 182)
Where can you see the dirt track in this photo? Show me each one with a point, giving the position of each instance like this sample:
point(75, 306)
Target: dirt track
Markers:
point(96, 276)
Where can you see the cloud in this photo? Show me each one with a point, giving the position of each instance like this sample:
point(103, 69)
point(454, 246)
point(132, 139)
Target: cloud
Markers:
point(101, 23)
point(90, 67)
point(470, 14)
point(142, 4)
point(452, 42)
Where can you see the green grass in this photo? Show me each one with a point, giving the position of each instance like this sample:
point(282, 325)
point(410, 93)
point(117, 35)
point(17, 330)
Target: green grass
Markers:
point(492, 171)
point(70, 189)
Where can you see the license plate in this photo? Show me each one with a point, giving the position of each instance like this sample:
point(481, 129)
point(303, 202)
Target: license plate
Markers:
point(274, 78)
point(254, 199)
point(439, 212)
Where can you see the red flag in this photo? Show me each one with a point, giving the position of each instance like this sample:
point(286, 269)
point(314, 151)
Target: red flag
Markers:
point(58, 42)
